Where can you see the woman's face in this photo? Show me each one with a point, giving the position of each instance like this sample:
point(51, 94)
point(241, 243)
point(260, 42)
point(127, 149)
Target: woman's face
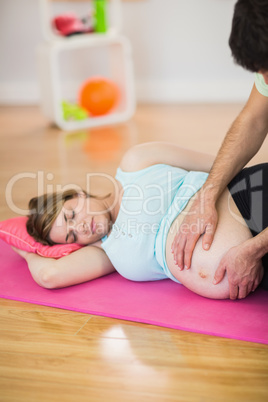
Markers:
point(82, 220)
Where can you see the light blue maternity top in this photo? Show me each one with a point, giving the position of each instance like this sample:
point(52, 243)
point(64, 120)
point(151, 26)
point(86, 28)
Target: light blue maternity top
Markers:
point(153, 198)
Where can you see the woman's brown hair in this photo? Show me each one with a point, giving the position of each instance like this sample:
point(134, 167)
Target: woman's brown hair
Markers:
point(44, 211)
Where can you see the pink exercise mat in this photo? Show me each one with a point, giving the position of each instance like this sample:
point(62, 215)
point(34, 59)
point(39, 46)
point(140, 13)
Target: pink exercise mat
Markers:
point(163, 303)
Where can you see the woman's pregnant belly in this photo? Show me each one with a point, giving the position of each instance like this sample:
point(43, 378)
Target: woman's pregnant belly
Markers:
point(231, 231)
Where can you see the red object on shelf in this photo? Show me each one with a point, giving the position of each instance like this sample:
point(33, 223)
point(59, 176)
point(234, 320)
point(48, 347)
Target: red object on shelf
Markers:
point(69, 24)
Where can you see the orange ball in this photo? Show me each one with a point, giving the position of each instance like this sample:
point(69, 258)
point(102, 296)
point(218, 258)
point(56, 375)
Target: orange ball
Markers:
point(98, 96)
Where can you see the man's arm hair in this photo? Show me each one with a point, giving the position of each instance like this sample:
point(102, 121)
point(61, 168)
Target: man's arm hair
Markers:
point(241, 143)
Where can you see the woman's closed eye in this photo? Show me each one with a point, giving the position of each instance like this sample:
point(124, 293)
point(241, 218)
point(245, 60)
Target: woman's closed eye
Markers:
point(71, 217)
point(70, 228)
point(71, 237)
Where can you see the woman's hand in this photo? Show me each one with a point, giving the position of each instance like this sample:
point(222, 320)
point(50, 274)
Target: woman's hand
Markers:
point(201, 219)
point(244, 271)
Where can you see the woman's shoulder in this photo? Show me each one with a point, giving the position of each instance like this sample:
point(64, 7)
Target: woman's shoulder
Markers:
point(126, 177)
point(131, 161)
point(140, 156)
point(97, 243)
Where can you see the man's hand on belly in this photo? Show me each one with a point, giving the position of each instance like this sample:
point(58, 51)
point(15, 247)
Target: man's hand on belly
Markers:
point(244, 270)
point(201, 219)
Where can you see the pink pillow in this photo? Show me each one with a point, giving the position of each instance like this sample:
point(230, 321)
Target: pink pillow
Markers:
point(13, 231)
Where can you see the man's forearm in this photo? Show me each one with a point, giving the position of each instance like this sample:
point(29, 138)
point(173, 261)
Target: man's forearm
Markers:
point(241, 143)
point(233, 155)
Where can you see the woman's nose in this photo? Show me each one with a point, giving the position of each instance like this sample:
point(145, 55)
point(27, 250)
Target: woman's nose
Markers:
point(82, 227)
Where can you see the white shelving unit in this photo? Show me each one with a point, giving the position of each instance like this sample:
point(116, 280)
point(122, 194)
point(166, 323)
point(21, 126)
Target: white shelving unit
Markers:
point(64, 63)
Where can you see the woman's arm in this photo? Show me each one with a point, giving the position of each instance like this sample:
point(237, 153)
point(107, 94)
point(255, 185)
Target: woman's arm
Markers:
point(80, 266)
point(151, 153)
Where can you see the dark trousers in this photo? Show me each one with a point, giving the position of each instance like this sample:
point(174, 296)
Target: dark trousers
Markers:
point(249, 189)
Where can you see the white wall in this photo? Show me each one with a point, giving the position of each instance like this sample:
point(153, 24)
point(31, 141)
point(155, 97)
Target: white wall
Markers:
point(180, 50)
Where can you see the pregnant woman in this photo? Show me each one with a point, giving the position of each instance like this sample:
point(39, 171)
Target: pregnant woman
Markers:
point(131, 229)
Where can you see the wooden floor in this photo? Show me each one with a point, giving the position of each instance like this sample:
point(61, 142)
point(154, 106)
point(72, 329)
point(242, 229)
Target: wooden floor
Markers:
point(48, 354)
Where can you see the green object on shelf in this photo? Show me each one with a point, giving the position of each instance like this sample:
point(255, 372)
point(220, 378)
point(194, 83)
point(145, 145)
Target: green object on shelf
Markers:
point(100, 7)
point(72, 111)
